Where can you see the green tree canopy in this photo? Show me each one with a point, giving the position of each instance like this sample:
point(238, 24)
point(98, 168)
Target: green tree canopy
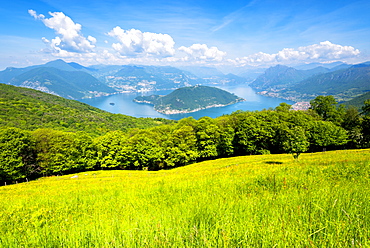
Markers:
point(63, 152)
point(323, 134)
point(326, 107)
point(295, 141)
point(17, 154)
point(283, 107)
point(366, 107)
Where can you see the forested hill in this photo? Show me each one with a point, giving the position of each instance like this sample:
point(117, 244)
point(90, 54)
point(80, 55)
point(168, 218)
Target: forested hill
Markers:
point(190, 99)
point(31, 109)
point(358, 102)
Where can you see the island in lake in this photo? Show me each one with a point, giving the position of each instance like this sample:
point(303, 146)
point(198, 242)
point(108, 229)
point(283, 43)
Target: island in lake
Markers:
point(190, 99)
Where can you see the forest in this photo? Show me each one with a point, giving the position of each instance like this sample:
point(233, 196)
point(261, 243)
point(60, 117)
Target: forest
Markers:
point(29, 154)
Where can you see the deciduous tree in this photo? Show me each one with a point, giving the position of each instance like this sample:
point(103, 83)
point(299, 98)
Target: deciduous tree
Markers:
point(295, 141)
point(17, 154)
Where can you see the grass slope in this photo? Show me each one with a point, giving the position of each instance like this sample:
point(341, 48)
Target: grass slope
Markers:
point(322, 200)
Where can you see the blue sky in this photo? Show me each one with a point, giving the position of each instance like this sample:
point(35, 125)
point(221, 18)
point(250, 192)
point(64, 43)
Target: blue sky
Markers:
point(220, 33)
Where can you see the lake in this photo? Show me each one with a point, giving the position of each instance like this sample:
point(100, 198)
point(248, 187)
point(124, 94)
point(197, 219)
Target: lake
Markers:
point(123, 104)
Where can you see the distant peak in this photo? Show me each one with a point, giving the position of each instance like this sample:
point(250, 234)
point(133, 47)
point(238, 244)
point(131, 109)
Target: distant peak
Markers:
point(57, 60)
point(280, 66)
point(364, 64)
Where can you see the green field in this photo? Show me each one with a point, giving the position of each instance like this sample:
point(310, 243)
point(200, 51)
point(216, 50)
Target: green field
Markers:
point(321, 200)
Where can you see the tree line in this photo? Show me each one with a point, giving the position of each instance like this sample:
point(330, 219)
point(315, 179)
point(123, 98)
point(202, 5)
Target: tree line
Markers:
point(26, 155)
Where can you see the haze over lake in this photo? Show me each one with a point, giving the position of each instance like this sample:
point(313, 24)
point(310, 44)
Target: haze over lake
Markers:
point(123, 104)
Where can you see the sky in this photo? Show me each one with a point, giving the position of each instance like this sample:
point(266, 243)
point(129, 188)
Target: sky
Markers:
point(234, 33)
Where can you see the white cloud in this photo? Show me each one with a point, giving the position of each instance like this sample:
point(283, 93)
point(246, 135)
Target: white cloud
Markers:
point(35, 15)
point(135, 46)
point(202, 52)
point(134, 43)
point(328, 50)
point(321, 52)
point(69, 39)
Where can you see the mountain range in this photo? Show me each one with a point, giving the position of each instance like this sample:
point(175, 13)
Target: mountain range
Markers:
point(147, 78)
point(344, 82)
point(281, 76)
point(68, 80)
point(68, 84)
point(299, 83)
point(74, 81)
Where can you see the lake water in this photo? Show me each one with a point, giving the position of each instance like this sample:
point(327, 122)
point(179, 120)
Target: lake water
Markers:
point(123, 104)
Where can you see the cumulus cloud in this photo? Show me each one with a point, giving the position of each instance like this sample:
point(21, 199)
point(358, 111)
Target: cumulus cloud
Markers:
point(328, 50)
point(133, 43)
point(69, 38)
point(314, 53)
point(135, 46)
point(202, 52)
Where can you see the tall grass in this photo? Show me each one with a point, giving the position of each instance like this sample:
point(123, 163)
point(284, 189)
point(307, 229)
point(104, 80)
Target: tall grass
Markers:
point(322, 200)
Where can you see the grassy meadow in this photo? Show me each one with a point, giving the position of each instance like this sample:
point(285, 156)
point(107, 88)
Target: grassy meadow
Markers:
point(321, 200)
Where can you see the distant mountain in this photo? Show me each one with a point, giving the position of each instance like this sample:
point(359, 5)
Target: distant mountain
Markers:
point(202, 71)
point(340, 67)
point(57, 77)
point(64, 66)
point(147, 78)
point(329, 66)
point(343, 84)
point(190, 99)
point(280, 77)
point(251, 74)
point(68, 84)
point(365, 64)
point(11, 72)
point(212, 76)
point(81, 67)
point(59, 64)
point(317, 70)
point(113, 78)
point(229, 79)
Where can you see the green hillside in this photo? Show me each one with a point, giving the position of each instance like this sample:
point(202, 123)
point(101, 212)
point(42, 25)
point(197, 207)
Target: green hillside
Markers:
point(190, 99)
point(358, 102)
point(30, 109)
point(322, 200)
point(343, 84)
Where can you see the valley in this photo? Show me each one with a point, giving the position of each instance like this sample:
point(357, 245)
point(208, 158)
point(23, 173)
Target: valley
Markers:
point(74, 81)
